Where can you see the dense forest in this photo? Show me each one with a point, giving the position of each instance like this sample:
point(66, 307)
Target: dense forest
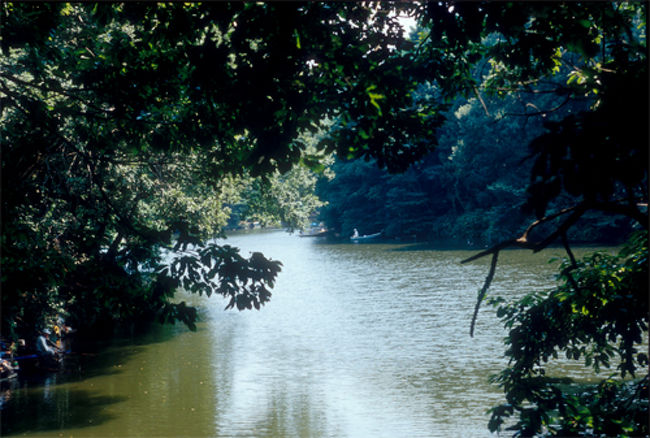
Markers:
point(132, 130)
point(470, 191)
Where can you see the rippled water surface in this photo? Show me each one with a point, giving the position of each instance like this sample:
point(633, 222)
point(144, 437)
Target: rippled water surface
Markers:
point(359, 340)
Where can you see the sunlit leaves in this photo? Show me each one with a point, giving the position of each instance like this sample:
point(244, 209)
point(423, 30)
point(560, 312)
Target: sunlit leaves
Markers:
point(375, 98)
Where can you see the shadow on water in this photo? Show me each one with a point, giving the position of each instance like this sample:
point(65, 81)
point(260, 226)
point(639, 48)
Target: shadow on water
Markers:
point(25, 410)
point(92, 358)
point(457, 246)
point(42, 401)
point(435, 247)
point(405, 245)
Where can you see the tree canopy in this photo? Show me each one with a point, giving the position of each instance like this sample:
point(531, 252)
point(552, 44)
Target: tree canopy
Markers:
point(468, 192)
point(129, 126)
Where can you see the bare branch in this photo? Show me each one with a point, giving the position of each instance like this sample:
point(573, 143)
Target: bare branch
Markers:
point(565, 242)
point(498, 247)
point(483, 291)
point(545, 219)
point(487, 113)
point(522, 241)
point(574, 264)
point(542, 112)
point(577, 212)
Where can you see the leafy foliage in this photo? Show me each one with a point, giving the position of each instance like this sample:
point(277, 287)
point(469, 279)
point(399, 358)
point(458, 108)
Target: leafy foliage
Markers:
point(287, 199)
point(590, 157)
point(598, 313)
point(471, 188)
point(126, 127)
point(212, 268)
point(599, 51)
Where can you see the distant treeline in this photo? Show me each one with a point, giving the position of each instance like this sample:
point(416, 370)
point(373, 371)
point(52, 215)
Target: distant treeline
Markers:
point(471, 190)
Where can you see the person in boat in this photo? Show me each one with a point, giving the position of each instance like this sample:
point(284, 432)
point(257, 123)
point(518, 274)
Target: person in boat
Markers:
point(45, 350)
point(355, 234)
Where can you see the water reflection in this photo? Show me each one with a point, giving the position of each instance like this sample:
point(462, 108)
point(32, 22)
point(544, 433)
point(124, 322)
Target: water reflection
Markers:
point(357, 346)
point(357, 341)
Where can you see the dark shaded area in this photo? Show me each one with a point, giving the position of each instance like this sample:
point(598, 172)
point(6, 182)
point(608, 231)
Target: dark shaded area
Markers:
point(26, 410)
point(40, 400)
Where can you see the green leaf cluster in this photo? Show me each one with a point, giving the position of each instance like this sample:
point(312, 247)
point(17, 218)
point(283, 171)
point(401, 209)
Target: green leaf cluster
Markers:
point(597, 314)
point(211, 268)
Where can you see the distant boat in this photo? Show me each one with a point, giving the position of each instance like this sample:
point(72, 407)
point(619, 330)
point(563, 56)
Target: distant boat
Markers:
point(356, 238)
point(314, 233)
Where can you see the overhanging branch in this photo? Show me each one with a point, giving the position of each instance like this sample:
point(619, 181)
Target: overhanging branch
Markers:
point(483, 291)
point(99, 112)
point(542, 112)
point(575, 213)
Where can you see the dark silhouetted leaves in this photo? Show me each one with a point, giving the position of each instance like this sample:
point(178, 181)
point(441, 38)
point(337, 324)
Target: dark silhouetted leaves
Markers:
point(222, 270)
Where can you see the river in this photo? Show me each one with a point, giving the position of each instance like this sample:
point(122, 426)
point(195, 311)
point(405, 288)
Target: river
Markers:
point(359, 340)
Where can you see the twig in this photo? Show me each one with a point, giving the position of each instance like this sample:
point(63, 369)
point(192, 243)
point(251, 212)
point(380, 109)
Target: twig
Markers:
point(483, 291)
point(541, 112)
point(574, 264)
point(487, 113)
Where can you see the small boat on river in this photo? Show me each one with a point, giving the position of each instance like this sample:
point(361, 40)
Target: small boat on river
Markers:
point(357, 238)
point(314, 233)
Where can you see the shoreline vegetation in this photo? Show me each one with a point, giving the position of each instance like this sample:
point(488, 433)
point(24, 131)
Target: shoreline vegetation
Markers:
point(615, 240)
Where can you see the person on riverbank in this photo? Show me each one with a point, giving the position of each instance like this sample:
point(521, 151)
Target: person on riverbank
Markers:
point(8, 366)
point(45, 349)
